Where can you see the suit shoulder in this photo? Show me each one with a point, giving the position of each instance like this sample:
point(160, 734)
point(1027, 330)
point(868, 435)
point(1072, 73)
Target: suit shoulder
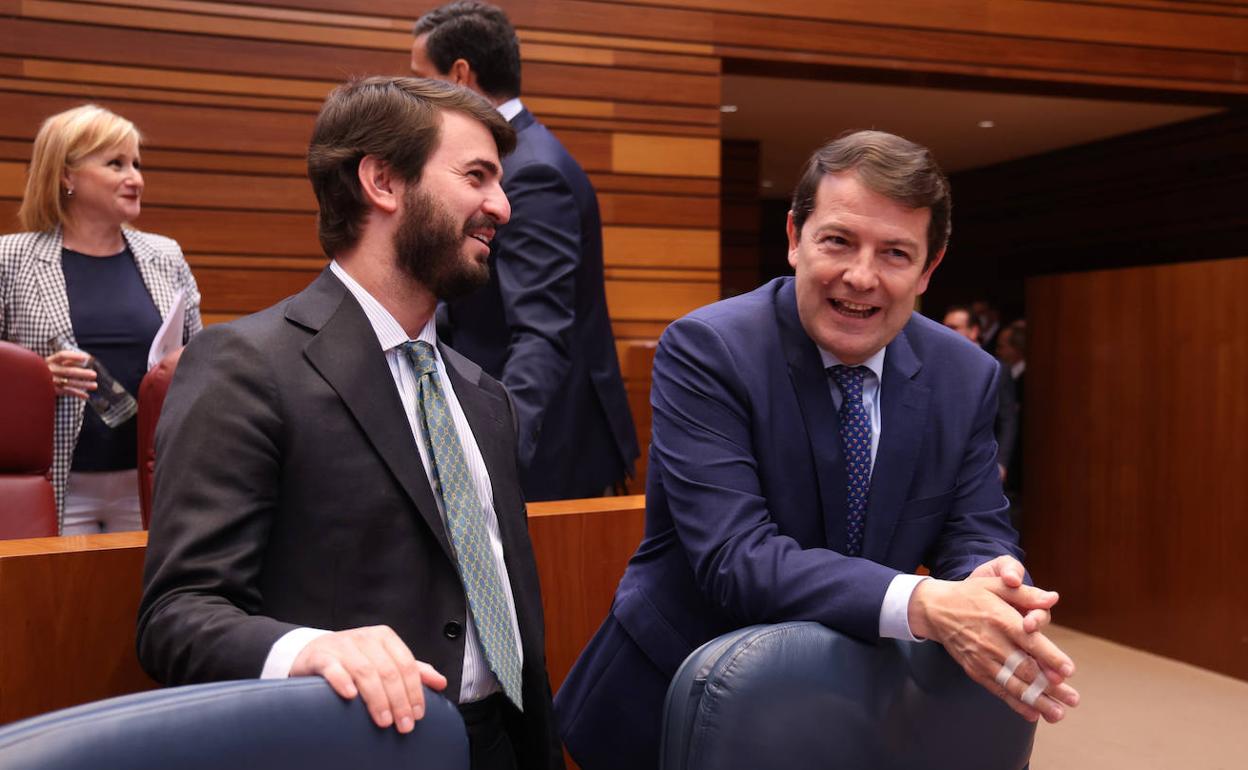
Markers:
point(944, 349)
point(161, 243)
point(16, 245)
point(742, 322)
point(537, 149)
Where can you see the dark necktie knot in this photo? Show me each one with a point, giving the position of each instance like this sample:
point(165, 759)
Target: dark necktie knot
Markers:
point(421, 353)
point(849, 379)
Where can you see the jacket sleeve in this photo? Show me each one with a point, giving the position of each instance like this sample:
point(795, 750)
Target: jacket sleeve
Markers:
point(539, 251)
point(977, 527)
point(217, 477)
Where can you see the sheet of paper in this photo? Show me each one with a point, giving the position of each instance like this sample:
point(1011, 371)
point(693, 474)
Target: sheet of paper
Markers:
point(169, 338)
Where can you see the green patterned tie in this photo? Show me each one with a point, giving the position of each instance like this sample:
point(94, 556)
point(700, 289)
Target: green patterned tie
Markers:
point(491, 612)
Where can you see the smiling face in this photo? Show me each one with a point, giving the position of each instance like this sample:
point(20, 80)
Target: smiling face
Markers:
point(451, 215)
point(107, 185)
point(861, 262)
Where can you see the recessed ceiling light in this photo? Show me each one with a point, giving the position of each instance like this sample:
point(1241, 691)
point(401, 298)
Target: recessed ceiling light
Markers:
point(986, 124)
point(727, 108)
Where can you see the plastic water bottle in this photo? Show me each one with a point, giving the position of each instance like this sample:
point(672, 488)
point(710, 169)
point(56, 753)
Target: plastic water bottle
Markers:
point(110, 399)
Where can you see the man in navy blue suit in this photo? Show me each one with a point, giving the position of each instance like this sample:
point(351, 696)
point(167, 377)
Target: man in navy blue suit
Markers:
point(541, 324)
point(814, 442)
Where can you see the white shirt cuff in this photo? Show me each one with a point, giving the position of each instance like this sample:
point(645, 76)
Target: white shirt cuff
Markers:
point(895, 611)
point(284, 651)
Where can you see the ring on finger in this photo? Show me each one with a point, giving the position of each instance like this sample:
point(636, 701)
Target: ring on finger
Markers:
point(1032, 693)
point(1007, 668)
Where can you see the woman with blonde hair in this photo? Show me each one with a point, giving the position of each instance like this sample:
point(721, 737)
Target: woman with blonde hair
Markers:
point(81, 288)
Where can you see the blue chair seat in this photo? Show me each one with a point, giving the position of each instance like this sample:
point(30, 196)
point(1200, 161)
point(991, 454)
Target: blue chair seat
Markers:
point(799, 695)
point(266, 725)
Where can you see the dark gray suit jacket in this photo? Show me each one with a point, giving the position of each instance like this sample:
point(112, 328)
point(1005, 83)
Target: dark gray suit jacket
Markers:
point(541, 325)
point(289, 492)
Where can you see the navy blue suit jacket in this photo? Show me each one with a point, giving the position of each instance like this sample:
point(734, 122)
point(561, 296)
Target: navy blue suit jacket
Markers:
point(746, 511)
point(541, 325)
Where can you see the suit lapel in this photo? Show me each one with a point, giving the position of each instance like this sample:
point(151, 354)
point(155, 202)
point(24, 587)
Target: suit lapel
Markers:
point(144, 254)
point(814, 397)
point(346, 353)
point(50, 277)
point(903, 410)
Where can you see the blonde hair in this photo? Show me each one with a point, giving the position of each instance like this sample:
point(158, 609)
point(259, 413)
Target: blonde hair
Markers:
point(62, 142)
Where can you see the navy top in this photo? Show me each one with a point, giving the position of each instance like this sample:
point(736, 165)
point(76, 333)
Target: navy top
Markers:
point(115, 320)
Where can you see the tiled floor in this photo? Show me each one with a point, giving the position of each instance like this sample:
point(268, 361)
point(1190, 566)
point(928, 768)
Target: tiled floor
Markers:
point(1142, 711)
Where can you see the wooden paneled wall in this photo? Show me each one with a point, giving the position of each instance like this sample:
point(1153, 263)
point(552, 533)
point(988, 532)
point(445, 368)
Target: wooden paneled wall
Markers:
point(1137, 444)
point(226, 92)
point(69, 605)
point(1168, 194)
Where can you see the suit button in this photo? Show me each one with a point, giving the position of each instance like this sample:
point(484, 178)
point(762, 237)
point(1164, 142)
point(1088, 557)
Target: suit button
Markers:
point(452, 630)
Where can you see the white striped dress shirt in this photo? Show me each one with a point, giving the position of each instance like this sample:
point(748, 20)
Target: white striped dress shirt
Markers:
point(478, 680)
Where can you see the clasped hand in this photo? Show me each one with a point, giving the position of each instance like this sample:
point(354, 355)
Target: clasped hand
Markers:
point(983, 620)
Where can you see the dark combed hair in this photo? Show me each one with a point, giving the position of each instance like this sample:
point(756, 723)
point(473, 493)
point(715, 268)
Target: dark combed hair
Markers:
point(481, 35)
point(889, 165)
point(971, 318)
point(395, 119)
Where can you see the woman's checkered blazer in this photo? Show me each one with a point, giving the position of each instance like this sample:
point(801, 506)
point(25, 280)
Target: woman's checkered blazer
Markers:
point(34, 311)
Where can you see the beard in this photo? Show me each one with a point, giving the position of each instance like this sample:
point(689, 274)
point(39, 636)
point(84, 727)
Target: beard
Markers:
point(428, 247)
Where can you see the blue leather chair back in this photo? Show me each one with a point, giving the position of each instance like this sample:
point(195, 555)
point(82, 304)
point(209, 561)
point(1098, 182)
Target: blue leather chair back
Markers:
point(266, 725)
point(799, 695)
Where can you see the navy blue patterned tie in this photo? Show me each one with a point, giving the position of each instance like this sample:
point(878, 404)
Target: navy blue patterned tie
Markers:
point(491, 612)
point(856, 443)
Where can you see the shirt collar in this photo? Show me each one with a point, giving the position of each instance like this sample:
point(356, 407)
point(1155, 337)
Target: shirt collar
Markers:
point(389, 331)
point(510, 109)
point(875, 363)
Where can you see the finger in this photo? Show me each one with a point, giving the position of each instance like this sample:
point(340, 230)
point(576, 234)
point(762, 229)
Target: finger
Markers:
point(389, 676)
point(1025, 598)
point(1059, 710)
point(431, 677)
point(75, 392)
point(75, 373)
point(338, 679)
point(1035, 620)
point(366, 679)
point(1029, 692)
point(1023, 710)
point(409, 670)
point(1061, 691)
point(1047, 654)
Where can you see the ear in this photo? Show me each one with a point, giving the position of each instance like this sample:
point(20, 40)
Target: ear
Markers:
point(380, 187)
point(927, 271)
point(794, 239)
point(67, 179)
point(461, 73)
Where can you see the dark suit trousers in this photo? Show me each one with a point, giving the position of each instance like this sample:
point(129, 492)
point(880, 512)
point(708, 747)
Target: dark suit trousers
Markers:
point(489, 746)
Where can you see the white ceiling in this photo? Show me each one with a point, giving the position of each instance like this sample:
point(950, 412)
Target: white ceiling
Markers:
point(793, 117)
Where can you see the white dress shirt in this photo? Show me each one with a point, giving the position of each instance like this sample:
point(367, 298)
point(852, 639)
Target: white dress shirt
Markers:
point(895, 611)
point(510, 109)
point(478, 680)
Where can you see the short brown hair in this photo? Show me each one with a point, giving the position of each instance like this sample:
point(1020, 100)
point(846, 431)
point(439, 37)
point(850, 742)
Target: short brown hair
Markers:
point(62, 142)
point(395, 119)
point(889, 165)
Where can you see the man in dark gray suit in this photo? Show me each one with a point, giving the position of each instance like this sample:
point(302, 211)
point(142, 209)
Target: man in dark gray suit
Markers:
point(541, 325)
point(326, 472)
